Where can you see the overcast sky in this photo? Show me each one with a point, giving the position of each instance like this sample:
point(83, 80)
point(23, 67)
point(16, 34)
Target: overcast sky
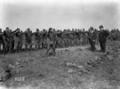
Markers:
point(64, 15)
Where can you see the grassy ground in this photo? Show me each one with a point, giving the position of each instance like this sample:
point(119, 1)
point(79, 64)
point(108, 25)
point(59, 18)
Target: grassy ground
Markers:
point(71, 68)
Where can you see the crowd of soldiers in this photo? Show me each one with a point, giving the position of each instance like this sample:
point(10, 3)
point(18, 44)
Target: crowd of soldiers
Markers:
point(19, 40)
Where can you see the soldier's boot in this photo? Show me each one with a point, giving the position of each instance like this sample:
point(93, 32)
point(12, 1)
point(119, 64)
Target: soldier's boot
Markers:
point(31, 47)
point(40, 46)
point(25, 47)
point(36, 46)
point(102, 49)
point(94, 48)
point(54, 52)
point(47, 52)
point(20, 48)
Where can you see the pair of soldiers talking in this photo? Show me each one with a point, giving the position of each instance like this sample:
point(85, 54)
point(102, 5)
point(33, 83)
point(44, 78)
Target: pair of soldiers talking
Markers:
point(100, 35)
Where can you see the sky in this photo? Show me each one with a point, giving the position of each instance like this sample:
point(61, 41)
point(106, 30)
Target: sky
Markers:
point(59, 14)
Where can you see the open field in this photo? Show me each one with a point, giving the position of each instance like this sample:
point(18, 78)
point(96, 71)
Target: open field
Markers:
point(71, 68)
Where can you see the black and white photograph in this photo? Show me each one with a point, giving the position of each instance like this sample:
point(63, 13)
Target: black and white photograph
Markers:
point(59, 44)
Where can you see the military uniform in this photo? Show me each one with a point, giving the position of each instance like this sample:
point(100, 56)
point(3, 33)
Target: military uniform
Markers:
point(103, 34)
point(51, 43)
point(17, 40)
point(28, 36)
point(1, 40)
point(38, 39)
point(92, 38)
point(7, 40)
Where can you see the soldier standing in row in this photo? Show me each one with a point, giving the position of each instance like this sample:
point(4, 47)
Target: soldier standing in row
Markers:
point(17, 41)
point(103, 34)
point(28, 35)
point(38, 38)
point(7, 34)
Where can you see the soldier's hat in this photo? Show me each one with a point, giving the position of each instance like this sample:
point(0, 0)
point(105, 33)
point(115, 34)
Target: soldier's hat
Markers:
point(37, 29)
point(50, 29)
point(101, 26)
point(91, 28)
point(7, 27)
point(28, 28)
point(17, 28)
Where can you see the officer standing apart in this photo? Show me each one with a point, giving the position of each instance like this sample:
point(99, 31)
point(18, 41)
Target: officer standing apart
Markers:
point(103, 34)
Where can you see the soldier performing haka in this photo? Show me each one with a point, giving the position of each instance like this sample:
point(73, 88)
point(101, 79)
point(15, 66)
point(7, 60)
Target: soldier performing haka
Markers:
point(51, 42)
point(92, 38)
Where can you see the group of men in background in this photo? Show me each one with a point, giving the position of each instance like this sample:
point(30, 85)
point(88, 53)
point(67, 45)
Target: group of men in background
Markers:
point(18, 40)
